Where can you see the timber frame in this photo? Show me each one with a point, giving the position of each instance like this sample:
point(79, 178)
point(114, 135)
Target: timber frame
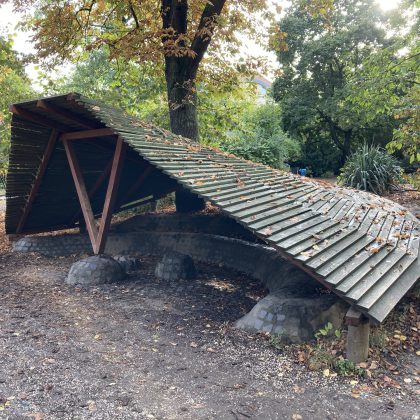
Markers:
point(72, 157)
point(98, 232)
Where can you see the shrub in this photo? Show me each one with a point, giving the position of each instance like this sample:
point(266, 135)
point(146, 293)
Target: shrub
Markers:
point(370, 168)
point(261, 139)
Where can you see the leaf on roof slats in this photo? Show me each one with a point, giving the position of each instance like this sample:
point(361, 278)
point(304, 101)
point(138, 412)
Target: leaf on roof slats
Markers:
point(277, 217)
point(330, 247)
point(382, 307)
point(383, 283)
point(295, 225)
point(310, 238)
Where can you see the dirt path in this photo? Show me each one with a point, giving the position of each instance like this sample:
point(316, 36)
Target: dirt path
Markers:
point(145, 350)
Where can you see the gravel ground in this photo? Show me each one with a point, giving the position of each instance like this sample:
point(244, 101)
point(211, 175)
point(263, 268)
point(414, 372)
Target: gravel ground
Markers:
point(145, 349)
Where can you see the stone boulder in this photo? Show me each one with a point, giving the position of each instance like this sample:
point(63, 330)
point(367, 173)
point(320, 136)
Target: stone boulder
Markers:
point(99, 269)
point(295, 319)
point(174, 266)
point(128, 263)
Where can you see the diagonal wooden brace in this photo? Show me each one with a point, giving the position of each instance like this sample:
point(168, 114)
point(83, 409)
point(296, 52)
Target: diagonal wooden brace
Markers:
point(97, 236)
point(38, 179)
point(111, 195)
point(79, 183)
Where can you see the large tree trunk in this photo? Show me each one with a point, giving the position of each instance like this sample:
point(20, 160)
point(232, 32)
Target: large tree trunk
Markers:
point(182, 97)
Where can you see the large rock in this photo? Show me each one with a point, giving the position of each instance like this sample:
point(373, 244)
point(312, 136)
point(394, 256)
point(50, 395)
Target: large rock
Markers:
point(128, 263)
point(294, 318)
point(99, 269)
point(174, 266)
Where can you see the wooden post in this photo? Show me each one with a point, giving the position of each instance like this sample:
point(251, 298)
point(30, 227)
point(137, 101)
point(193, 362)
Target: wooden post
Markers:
point(111, 195)
point(357, 336)
point(38, 179)
point(81, 193)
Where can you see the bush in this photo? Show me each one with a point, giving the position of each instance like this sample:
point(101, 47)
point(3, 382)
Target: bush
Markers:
point(261, 139)
point(370, 168)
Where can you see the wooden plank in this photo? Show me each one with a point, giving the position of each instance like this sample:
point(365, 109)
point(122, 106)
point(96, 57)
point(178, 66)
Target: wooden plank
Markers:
point(356, 272)
point(279, 216)
point(354, 317)
point(81, 193)
point(368, 243)
point(87, 134)
point(38, 179)
point(37, 119)
point(310, 237)
point(396, 292)
point(296, 223)
point(111, 196)
point(385, 282)
point(375, 275)
point(67, 115)
point(278, 203)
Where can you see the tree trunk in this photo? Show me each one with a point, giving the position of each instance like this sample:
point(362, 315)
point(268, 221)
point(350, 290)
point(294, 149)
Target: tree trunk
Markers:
point(182, 97)
point(346, 146)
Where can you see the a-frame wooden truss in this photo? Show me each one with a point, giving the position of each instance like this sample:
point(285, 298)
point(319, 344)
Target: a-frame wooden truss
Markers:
point(97, 234)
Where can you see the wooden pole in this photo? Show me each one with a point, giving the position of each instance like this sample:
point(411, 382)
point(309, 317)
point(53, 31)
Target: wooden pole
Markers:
point(67, 115)
point(111, 195)
point(87, 134)
point(357, 336)
point(82, 193)
point(38, 179)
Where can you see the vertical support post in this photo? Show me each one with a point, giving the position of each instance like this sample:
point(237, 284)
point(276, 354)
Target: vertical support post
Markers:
point(81, 193)
point(38, 179)
point(111, 195)
point(357, 336)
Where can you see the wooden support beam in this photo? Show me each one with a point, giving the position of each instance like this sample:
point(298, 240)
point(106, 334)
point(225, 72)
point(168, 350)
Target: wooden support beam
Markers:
point(87, 134)
point(111, 195)
point(63, 113)
point(104, 174)
point(81, 193)
point(37, 119)
point(38, 179)
point(358, 328)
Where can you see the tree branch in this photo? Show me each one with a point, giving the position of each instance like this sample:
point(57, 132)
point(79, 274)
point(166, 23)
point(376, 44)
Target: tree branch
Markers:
point(205, 31)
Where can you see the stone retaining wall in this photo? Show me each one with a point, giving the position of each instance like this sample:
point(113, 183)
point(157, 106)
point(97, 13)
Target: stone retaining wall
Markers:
point(214, 224)
point(256, 260)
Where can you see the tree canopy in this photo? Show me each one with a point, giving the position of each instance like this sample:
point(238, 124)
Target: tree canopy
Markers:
point(318, 56)
point(173, 35)
point(14, 86)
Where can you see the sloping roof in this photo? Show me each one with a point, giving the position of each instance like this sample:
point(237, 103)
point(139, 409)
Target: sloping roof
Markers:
point(362, 247)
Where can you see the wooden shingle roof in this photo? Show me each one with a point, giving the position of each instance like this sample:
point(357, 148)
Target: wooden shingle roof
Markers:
point(362, 247)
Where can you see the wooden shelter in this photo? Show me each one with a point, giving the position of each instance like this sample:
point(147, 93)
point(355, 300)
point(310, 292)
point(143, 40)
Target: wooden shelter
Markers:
point(74, 161)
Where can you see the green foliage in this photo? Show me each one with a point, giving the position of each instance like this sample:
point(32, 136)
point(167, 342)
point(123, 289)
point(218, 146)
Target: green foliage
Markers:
point(320, 155)
point(345, 367)
point(318, 62)
point(387, 82)
point(229, 118)
point(132, 87)
point(371, 169)
point(324, 331)
point(261, 139)
point(14, 86)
